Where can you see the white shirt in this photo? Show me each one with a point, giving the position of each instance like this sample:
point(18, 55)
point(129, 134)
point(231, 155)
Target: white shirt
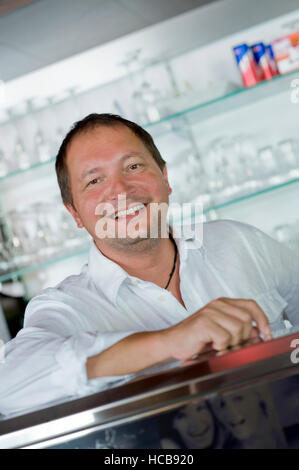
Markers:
point(87, 313)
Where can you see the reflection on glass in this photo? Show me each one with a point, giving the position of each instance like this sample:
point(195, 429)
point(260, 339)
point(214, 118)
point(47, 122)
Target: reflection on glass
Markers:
point(285, 396)
point(140, 434)
point(250, 417)
point(192, 427)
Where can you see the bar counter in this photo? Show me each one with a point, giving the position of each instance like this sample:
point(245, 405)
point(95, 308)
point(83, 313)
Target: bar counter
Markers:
point(245, 397)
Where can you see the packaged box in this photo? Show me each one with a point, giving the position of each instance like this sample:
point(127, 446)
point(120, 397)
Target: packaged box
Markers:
point(286, 52)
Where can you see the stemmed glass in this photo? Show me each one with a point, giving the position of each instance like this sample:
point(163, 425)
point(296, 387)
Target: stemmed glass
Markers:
point(231, 166)
point(144, 96)
point(66, 109)
point(41, 147)
point(4, 165)
point(270, 169)
point(22, 158)
point(247, 163)
point(5, 254)
point(288, 155)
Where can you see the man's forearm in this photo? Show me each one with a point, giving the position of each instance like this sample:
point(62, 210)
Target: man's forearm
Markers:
point(130, 355)
point(222, 323)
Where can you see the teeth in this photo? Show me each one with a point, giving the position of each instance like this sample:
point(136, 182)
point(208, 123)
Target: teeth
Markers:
point(129, 211)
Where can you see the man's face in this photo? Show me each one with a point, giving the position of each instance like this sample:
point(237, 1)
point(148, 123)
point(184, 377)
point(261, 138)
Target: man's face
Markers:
point(240, 413)
point(107, 162)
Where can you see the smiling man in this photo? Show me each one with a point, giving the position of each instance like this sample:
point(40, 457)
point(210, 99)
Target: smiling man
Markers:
point(141, 300)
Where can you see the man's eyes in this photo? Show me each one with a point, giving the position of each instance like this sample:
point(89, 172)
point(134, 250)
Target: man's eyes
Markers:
point(94, 181)
point(135, 166)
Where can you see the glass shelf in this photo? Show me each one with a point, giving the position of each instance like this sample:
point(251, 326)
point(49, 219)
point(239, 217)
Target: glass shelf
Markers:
point(33, 167)
point(251, 195)
point(44, 264)
point(236, 99)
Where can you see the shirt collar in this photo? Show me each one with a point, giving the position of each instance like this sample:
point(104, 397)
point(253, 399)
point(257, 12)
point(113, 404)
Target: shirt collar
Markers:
point(106, 274)
point(188, 238)
point(109, 276)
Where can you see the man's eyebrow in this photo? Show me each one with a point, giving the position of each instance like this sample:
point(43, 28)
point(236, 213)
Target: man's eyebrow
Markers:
point(96, 169)
point(89, 172)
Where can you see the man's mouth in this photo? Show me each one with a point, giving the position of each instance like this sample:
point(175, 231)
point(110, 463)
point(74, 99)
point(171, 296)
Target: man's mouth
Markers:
point(129, 212)
point(198, 433)
point(237, 423)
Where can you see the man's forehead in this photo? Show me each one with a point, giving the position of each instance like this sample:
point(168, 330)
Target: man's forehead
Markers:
point(102, 130)
point(89, 140)
point(86, 147)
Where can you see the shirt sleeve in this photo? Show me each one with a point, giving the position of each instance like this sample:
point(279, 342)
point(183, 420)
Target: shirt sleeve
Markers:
point(283, 264)
point(45, 363)
point(278, 264)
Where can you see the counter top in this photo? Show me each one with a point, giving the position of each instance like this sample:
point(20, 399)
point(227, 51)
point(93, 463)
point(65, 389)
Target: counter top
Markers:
point(154, 391)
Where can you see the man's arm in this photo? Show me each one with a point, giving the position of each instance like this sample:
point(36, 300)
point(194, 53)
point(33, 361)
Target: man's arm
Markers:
point(47, 361)
point(221, 323)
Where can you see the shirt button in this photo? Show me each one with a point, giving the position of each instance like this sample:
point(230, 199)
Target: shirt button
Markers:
point(162, 298)
point(135, 282)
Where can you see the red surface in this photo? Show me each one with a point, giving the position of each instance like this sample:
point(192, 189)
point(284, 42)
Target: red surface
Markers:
point(253, 353)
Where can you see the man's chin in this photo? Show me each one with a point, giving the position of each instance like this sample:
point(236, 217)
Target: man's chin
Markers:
point(130, 235)
point(129, 243)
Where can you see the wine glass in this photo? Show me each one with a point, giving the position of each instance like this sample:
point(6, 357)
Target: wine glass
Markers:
point(4, 165)
point(41, 147)
point(270, 170)
point(21, 156)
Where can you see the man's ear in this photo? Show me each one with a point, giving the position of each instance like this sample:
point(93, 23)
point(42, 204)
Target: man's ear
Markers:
point(75, 214)
point(165, 176)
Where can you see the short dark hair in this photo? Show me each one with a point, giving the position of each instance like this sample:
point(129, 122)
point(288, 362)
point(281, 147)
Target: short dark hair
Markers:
point(90, 122)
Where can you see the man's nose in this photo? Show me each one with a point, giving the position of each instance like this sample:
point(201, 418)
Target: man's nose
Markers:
point(117, 185)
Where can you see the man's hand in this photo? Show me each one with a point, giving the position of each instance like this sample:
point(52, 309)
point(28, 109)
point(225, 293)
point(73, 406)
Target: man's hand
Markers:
point(222, 323)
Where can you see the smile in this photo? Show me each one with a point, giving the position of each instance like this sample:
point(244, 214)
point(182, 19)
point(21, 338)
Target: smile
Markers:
point(199, 433)
point(130, 211)
point(238, 423)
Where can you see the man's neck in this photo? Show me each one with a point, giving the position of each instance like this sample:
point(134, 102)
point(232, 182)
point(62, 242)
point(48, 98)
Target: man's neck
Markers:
point(148, 259)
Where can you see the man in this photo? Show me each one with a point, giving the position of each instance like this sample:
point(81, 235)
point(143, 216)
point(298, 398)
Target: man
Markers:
point(141, 300)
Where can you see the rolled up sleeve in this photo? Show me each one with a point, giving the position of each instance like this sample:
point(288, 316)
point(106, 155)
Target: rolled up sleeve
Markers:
point(41, 366)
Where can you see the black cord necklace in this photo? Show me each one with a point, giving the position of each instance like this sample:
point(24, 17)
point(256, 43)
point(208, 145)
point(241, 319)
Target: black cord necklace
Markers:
point(174, 262)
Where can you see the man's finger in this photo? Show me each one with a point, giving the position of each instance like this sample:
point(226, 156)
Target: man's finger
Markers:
point(241, 314)
point(257, 313)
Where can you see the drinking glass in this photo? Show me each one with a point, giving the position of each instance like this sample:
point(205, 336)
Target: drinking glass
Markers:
point(5, 254)
point(4, 166)
point(270, 170)
point(41, 148)
point(248, 169)
point(21, 156)
point(288, 155)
